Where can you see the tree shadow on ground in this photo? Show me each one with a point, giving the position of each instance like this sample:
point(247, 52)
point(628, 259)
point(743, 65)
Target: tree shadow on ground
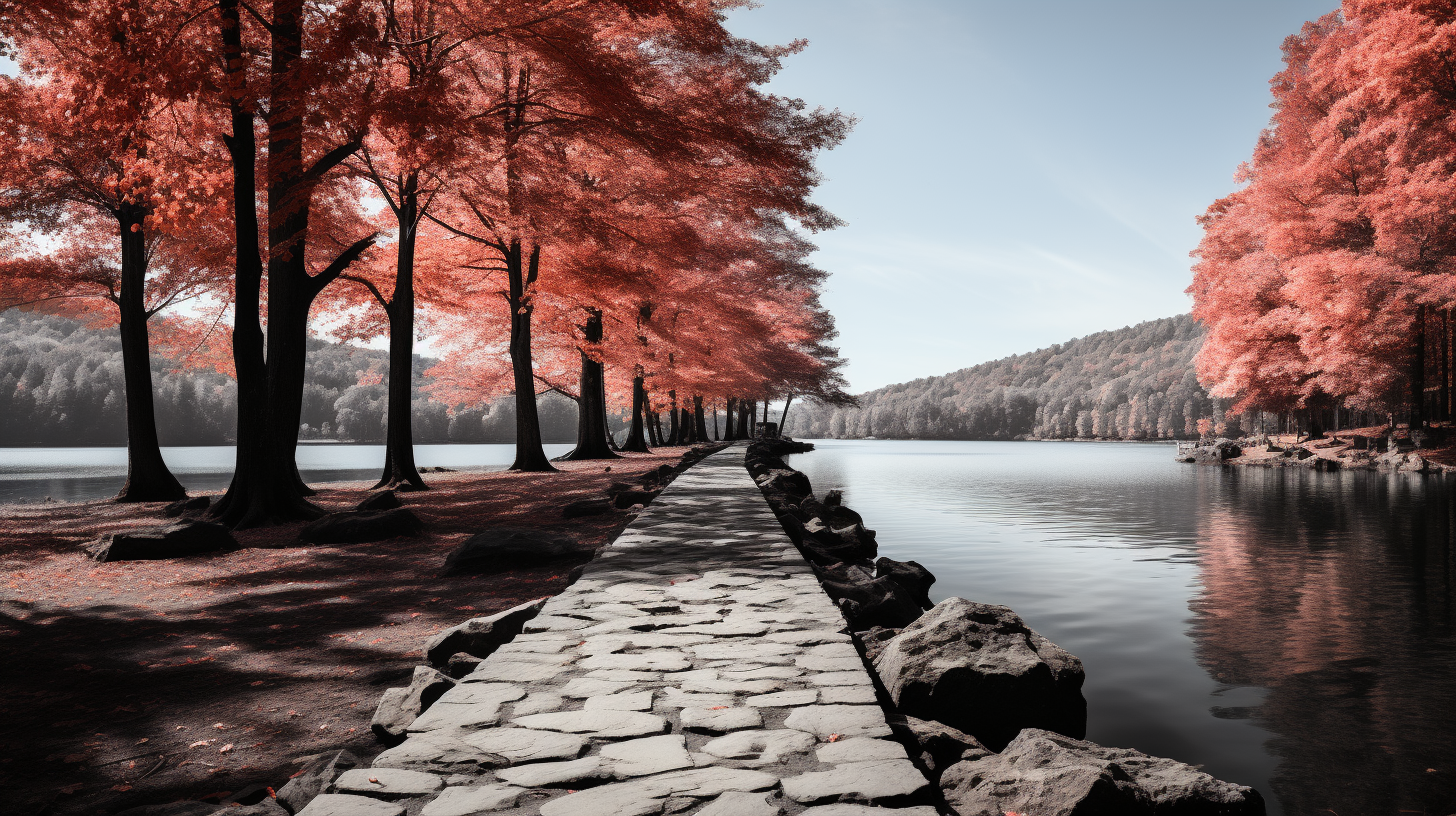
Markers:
point(147, 682)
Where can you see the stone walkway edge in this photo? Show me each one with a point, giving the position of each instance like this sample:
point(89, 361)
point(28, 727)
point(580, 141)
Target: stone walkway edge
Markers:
point(696, 667)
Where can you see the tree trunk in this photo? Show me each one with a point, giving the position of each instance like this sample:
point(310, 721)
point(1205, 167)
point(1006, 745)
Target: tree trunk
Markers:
point(530, 455)
point(700, 426)
point(636, 440)
point(247, 340)
point(729, 420)
point(266, 488)
point(606, 422)
point(147, 476)
point(784, 417)
point(746, 409)
point(675, 432)
point(654, 436)
point(685, 422)
point(765, 410)
point(716, 438)
point(1444, 411)
point(399, 443)
point(592, 439)
point(1418, 372)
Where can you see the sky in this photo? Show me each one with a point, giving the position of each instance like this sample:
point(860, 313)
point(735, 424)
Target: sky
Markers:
point(1022, 172)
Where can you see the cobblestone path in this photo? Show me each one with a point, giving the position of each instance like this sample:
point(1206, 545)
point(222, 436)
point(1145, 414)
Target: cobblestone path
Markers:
point(696, 667)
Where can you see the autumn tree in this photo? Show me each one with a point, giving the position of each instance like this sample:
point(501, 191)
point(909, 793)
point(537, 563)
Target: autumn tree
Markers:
point(96, 142)
point(308, 72)
point(1319, 279)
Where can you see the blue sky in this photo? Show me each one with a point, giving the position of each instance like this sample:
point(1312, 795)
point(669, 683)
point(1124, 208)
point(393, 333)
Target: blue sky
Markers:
point(1023, 172)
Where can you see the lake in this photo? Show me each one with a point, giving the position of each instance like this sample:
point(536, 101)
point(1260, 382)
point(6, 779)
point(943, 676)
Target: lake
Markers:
point(86, 474)
point(1288, 630)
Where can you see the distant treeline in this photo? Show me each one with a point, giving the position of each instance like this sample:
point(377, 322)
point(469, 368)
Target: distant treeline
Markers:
point(1132, 383)
point(61, 384)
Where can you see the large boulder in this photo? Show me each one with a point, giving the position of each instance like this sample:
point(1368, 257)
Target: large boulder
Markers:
point(187, 507)
point(791, 482)
point(979, 668)
point(872, 640)
point(1226, 449)
point(909, 574)
point(587, 507)
point(399, 707)
point(823, 545)
point(383, 500)
point(938, 745)
point(176, 540)
point(1053, 775)
point(479, 637)
point(627, 498)
point(357, 528)
point(873, 602)
point(503, 548)
point(319, 771)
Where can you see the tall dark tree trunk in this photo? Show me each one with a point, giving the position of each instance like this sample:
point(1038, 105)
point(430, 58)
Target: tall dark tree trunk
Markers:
point(530, 455)
point(784, 417)
point(715, 421)
point(675, 433)
point(266, 487)
point(765, 409)
point(654, 436)
point(247, 339)
point(746, 410)
point(700, 425)
point(147, 476)
point(1444, 411)
point(1418, 372)
point(730, 420)
point(606, 423)
point(637, 440)
point(687, 437)
point(592, 439)
point(399, 442)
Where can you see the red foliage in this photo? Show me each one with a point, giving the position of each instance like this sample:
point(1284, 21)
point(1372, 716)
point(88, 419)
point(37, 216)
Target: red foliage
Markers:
point(1317, 279)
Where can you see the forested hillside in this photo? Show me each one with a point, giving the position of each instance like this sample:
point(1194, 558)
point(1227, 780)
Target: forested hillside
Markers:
point(1132, 383)
point(61, 384)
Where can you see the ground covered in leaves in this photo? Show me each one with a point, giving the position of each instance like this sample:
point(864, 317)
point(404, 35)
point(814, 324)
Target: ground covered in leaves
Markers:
point(147, 682)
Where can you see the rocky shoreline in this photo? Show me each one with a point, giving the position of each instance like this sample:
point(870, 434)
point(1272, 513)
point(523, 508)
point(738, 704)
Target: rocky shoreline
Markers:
point(1377, 454)
point(989, 710)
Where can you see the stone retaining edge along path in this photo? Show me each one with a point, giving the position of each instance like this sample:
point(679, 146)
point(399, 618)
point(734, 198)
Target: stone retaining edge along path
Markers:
point(697, 667)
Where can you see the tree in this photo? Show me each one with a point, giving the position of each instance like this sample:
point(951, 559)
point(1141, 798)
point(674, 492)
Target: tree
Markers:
point(420, 112)
point(1345, 221)
point(317, 108)
point(92, 136)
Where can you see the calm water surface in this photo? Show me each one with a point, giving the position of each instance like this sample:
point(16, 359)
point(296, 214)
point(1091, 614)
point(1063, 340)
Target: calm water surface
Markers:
point(84, 474)
point(1287, 630)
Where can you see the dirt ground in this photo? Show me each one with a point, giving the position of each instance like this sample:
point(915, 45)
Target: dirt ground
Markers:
point(147, 682)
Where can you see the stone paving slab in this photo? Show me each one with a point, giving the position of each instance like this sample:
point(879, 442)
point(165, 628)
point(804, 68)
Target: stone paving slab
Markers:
point(696, 667)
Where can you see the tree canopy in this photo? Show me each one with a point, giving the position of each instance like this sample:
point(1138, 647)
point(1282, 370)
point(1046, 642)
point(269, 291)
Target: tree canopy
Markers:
point(534, 188)
point(1327, 280)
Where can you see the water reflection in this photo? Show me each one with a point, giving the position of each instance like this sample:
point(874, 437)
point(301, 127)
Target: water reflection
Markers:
point(1334, 592)
point(1287, 630)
